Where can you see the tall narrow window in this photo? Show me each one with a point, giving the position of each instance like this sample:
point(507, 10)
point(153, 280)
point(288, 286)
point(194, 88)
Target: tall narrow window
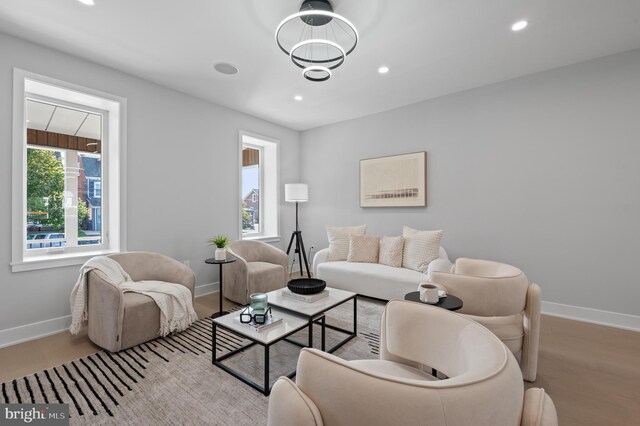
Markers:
point(259, 187)
point(67, 201)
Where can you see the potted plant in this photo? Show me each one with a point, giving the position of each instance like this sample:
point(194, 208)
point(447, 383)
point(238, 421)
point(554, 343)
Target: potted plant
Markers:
point(221, 242)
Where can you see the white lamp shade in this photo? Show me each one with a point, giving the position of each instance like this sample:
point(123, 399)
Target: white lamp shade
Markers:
point(296, 192)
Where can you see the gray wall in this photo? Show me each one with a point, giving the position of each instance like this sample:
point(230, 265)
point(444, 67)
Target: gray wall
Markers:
point(182, 169)
point(540, 172)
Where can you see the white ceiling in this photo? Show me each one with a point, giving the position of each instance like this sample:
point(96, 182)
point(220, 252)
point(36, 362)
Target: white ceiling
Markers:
point(433, 47)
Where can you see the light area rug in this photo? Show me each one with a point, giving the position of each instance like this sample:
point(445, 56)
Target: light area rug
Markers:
point(171, 380)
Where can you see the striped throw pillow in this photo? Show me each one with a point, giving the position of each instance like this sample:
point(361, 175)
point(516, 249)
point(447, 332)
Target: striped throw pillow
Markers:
point(420, 248)
point(339, 240)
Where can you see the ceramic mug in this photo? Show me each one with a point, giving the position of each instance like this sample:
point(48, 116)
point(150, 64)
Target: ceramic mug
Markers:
point(429, 293)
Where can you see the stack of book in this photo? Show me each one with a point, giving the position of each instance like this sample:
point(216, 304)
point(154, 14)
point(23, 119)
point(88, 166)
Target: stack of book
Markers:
point(308, 298)
point(270, 321)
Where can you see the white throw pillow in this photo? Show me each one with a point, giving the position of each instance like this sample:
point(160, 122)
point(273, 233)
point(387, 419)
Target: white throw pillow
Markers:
point(420, 248)
point(339, 240)
point(391, 251)
point(364, 248)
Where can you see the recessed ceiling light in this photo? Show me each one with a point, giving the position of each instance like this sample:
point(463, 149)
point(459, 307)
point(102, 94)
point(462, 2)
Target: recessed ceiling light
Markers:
point(88, 2)
point(297, 97)
point(383, 70)
point(520, 25)
point(225, 68)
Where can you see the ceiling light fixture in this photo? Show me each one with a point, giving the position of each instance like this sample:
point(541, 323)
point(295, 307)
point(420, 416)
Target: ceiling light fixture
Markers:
point(383, 70)
point(316, 39)
point(519, 26)
point(297, 98)
point(88, 2)
point(225, 68)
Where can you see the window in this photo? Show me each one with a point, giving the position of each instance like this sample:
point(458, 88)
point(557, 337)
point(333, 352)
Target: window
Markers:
point(258, 187)
point(67, 152)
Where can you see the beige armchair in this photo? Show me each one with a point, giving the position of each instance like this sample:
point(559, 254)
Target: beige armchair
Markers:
point(260, 268)
point(483, 386)
point(499, 297)
point(120, 320)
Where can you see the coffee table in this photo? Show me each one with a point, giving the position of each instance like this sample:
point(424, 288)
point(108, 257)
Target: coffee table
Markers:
point(289, 325)
point(314, 312)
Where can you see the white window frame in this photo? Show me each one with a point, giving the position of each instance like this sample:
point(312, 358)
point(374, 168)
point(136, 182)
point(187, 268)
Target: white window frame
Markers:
point(269, 186)
point(97, 186)
point(113, 153)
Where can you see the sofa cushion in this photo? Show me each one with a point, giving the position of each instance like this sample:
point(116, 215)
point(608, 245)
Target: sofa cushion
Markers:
point(141, 319)
point(391, 251)
point(264, 277)
point(370, 279)
point(509, 329)
point(339, 238)
point(420, 248)
point(363, 248)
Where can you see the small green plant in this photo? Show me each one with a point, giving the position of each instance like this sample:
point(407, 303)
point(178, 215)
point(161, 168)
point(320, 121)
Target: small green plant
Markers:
point(221, 241)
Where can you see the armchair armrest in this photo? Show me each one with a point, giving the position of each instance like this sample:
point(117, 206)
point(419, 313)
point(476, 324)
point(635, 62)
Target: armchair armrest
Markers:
point(105, 306)
point(320, 257)
point(539, 409)
point(441, 264)
point(289, 406)
point(236, 280)
point(530, 342)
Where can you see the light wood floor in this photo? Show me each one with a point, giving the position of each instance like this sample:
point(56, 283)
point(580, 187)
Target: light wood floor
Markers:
point(591, 372)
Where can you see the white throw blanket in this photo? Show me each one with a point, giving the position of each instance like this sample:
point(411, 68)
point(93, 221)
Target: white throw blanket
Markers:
point(174, 300)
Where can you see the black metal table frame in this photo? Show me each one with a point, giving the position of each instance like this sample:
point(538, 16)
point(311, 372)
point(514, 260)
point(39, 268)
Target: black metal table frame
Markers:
point(316, 319)
point(217, 361)
point(213, 261)
point(320, 319)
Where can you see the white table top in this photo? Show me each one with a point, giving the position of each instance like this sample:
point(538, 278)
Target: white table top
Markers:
point(289, 324)
point(312, 309)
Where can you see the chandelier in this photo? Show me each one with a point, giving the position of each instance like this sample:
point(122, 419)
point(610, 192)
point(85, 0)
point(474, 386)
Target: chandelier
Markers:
point(316, 39)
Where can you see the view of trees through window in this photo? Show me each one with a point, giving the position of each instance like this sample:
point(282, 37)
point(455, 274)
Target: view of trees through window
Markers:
point(250, 189)
point(64, 185)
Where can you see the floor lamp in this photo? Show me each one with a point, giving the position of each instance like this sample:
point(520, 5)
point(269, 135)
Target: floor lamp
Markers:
point(297, 193)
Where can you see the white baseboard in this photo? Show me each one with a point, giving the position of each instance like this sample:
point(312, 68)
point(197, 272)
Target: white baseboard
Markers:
point(594, 316)
point(24, 333)
point(204, 289)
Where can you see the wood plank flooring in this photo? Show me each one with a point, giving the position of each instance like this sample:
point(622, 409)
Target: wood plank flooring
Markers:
point(591, 372)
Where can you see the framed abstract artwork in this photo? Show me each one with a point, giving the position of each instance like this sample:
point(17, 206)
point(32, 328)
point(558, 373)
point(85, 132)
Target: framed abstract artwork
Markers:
point(394, 181)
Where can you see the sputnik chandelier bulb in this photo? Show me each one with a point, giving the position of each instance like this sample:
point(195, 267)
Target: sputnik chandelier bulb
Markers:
point(316, 39)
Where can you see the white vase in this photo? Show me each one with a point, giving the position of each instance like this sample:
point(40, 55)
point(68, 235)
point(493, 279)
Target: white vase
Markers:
point(221, 254)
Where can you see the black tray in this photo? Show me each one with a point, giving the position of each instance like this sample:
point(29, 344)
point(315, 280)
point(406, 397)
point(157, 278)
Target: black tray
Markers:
point(306, 285)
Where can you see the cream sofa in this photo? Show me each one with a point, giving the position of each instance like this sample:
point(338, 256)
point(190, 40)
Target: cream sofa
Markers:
point(373, 279)
point(483, 386)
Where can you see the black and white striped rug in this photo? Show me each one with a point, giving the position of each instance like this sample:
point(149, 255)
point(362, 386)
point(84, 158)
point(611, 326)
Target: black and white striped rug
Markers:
point(171, 380)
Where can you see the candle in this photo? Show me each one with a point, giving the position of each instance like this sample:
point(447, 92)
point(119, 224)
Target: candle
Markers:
point(259, 303)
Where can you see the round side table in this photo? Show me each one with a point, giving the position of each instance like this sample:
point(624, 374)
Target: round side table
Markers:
point(451, 303)
point(230, 259)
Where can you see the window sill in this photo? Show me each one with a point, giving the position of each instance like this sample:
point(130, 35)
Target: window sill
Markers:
point(263, 238)
point(56, 261)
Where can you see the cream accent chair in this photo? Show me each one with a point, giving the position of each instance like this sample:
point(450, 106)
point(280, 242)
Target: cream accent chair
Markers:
point(260, 268)
point(120, 320)
point(484, 385)
point(499, 297)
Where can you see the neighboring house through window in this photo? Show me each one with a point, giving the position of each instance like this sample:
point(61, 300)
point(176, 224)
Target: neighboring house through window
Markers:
point(68, 150)
point(258, 186)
